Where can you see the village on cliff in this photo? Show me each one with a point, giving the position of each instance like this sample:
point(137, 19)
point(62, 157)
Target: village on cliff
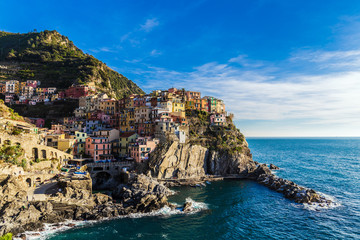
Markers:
point(103, 129)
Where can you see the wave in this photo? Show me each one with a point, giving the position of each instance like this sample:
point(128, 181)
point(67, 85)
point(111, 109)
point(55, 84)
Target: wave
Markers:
point(334, 203)
point(50, 230)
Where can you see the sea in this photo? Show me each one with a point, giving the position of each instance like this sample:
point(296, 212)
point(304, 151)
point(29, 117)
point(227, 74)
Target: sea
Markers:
point(243, 209)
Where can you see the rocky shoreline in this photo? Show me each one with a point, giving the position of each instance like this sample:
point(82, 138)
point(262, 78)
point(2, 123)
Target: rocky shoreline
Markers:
point(75, 201)
point(142, 194)
point(289, 189)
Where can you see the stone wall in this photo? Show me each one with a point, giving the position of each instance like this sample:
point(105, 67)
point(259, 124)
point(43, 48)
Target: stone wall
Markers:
point(32, 147)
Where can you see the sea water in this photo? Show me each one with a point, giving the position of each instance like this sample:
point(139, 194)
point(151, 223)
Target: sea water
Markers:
point(243, 209)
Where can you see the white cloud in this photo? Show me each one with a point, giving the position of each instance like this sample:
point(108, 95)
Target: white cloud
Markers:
point(102, 49)
point(244, 61)
point(149, 25)
point(260, 94)
point(155, 52)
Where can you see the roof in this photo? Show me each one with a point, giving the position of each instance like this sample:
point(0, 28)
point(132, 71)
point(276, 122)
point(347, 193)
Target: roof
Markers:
point(127, 134)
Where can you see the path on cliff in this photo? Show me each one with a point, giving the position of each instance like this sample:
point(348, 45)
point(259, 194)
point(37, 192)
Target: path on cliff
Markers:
point(43, 188)
point(39, 193)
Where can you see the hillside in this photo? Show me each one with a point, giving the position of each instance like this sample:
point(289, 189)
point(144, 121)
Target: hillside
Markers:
point(54, 60)
point(8, 113)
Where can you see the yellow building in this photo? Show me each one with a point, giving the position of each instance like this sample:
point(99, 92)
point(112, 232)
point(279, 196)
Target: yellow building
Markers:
point(109, 106)
point(66, 144)
point(190, 105)
point(178, 108)
point(53, 139)
point(125, 139)
point(39, 91)
point(22, 86)
point(127, 121)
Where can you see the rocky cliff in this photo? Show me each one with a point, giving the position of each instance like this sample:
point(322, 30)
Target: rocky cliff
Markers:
point(207, 151)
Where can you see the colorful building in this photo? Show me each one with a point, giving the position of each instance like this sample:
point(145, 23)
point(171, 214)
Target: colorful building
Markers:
point(99, 148)
point(109, 107)
point(79, 146)
point(141, 149)
point(12, 86)
point(218, 119)
point(192, 95)
point(124, 141)
point(77, 91)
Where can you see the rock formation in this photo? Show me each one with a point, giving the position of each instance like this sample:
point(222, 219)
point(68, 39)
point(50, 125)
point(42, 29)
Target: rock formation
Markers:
point(208, 151)
point(273, 167)
point(142, 194)
point(74, 200)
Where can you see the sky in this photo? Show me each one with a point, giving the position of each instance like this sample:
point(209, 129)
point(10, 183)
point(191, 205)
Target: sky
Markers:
point(283, 67)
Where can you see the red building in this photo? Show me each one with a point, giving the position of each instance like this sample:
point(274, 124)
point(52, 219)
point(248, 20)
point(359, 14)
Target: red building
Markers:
point(77, 91)
point(99, 148)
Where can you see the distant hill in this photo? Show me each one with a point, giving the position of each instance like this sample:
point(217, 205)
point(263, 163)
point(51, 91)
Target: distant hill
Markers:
point(53, 59)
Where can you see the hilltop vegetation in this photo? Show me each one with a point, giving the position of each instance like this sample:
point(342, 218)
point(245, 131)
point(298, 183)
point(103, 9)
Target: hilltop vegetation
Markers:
point(54, 60)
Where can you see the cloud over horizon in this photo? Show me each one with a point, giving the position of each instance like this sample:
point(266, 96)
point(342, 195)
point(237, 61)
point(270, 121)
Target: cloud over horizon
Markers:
point(254, 91)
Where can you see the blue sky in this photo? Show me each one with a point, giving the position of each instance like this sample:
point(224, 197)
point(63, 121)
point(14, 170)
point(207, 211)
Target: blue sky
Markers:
point(285, 68)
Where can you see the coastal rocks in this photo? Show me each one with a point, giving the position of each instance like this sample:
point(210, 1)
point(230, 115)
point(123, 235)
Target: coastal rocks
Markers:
point(223, 163)
point(175, 160)
point(188, 207)
point(261, 169)
point(186, 161)
point(273, 167)
point(291, 190)
point(142, 194)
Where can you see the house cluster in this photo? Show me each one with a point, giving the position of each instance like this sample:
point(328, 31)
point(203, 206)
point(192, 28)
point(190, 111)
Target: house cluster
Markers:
point(30, 92)
point(105, 129)
point(27, 92)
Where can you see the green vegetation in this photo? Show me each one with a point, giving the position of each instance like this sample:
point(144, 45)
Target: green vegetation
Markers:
point(11, 154)
point(227, 139)
point(9, 113)
point(7, 236)
point(54, 60)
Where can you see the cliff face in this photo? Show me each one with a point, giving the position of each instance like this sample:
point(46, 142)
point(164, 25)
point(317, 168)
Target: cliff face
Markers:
point(185, 161)
point(214, 151)
point(179, 160)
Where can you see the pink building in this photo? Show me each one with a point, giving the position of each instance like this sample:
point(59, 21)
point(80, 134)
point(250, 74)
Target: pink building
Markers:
point(99, 148)
point(218, 119)
point(142, 148)
point(39, 122)
point(32, 83)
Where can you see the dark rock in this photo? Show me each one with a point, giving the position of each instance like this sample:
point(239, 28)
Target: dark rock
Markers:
point(273, 167)
point(188, 207)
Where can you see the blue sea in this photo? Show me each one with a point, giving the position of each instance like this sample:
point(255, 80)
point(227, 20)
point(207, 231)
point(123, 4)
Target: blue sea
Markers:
point(242, 209)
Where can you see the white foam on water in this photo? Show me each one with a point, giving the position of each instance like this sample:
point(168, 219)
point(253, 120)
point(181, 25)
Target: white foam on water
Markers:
point(52, 229)
point(314, 206)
